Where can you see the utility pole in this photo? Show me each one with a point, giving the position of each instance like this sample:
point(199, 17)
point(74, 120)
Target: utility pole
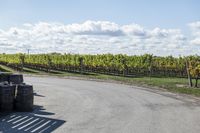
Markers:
point(28, 51)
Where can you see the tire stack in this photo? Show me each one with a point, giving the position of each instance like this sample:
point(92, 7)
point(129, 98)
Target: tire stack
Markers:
point(14, 94)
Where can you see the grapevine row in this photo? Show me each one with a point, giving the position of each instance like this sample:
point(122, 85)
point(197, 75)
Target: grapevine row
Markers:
point(105, 63)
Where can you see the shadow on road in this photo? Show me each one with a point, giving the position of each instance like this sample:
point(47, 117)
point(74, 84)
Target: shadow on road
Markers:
point(38, 95)
point(24, 122)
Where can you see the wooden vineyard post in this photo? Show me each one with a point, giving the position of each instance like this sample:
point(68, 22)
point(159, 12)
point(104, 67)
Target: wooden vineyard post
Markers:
point(81, 65)
point(196, 83)
point(188, 73)
point(49, 63)
point(125, 68)
point(150, 71)
point(150, 62)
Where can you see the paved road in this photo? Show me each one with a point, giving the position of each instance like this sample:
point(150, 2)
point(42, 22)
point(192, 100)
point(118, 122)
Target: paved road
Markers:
point(78, 106)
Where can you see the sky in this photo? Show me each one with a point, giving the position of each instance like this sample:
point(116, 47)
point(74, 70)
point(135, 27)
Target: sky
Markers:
point(170, 27)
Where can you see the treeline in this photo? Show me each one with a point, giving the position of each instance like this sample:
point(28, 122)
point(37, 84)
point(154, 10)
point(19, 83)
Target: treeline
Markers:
point(143, 65)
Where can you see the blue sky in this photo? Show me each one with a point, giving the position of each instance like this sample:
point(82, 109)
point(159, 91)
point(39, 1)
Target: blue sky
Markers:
point(149, 14)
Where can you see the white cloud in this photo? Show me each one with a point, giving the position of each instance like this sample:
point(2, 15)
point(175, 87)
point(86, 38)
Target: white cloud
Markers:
point(195, 25)
point(134, 30)
point(195, 28)
point(94, 28)
point(94, 37)
point(195, 41)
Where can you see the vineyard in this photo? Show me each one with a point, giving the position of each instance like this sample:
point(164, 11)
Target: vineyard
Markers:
point(121, 65)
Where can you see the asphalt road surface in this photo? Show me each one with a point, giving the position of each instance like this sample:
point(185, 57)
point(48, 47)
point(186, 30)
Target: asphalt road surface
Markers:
point(79, 106)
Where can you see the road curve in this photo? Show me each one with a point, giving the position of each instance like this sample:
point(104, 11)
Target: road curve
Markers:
point(99, 107)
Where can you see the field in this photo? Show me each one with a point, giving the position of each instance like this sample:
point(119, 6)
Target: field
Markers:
point(167, 73)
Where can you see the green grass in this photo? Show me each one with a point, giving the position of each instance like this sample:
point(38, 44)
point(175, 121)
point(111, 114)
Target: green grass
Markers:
point(28, 70)
point(178, 85)
point(6, 69)
point(172, 84)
